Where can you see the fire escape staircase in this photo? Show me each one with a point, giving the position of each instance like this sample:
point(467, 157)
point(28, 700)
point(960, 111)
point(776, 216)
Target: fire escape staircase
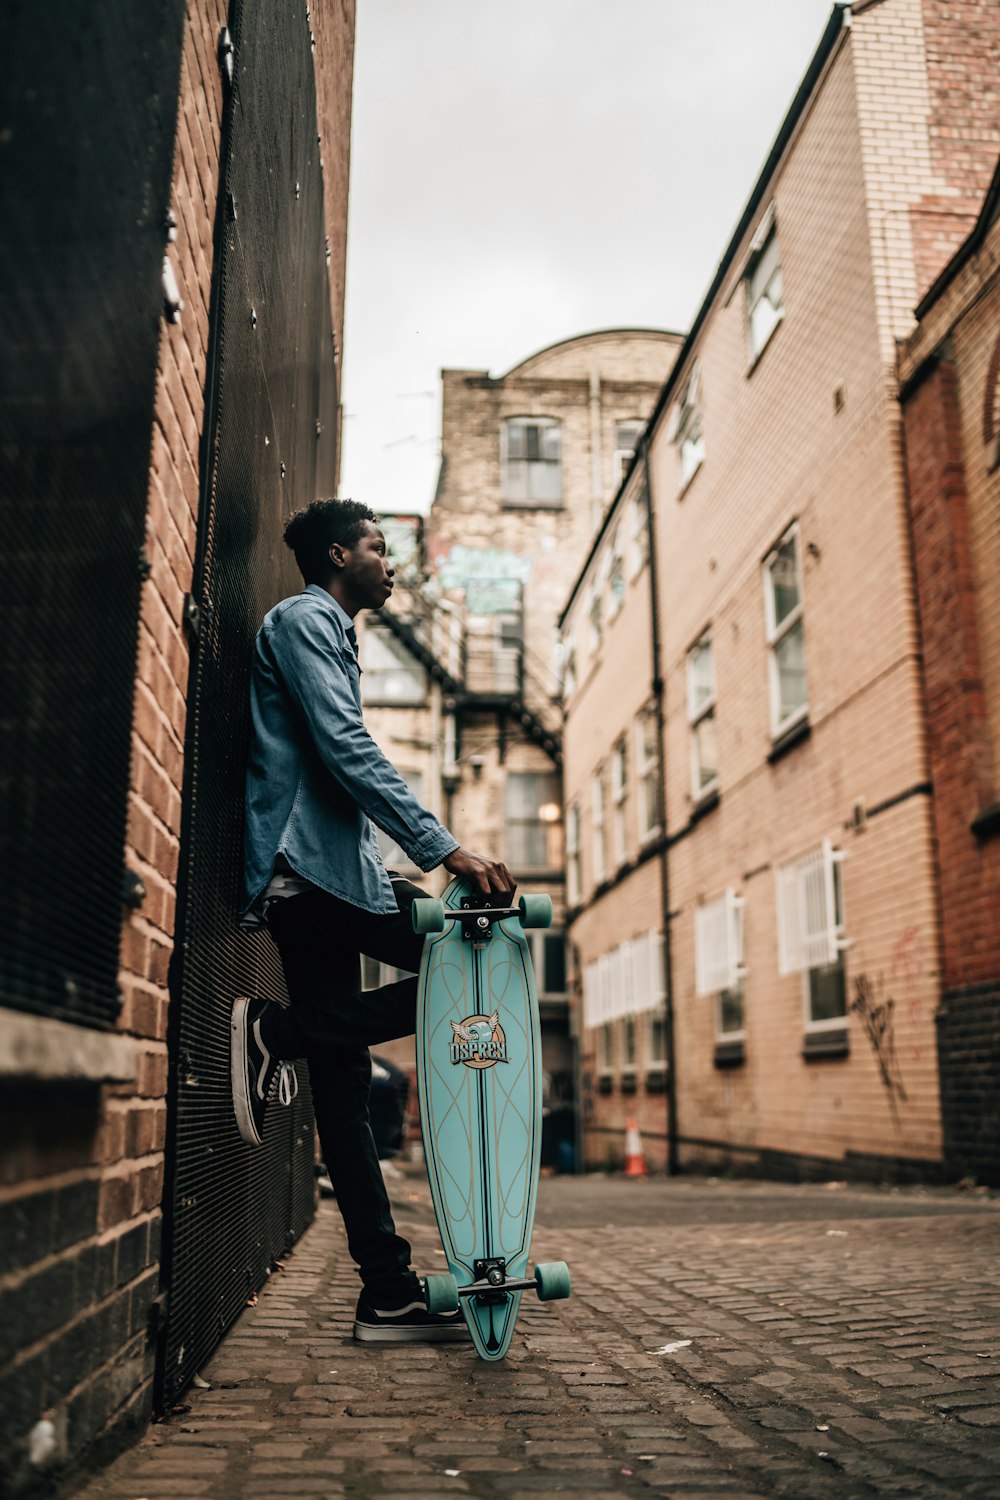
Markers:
point(412, 632)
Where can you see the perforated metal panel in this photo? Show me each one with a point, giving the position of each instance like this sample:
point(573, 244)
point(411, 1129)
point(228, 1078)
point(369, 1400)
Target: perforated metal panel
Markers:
point(88, 100)
point(271, 425)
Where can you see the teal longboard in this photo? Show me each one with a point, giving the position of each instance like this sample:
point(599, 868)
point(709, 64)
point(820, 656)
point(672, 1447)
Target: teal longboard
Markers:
point(479, 1078)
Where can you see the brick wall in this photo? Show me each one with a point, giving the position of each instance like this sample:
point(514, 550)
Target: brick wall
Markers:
point(951, 370)
point(81, 1191)
point(808, 433)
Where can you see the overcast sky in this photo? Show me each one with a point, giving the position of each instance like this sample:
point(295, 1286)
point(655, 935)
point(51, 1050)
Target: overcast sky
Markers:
point(526, 170)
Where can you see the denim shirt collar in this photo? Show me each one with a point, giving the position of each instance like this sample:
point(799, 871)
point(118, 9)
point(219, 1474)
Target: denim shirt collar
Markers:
point(319, 592)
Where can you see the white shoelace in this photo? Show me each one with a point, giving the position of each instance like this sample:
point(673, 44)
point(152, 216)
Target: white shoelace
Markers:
point(288, 1082)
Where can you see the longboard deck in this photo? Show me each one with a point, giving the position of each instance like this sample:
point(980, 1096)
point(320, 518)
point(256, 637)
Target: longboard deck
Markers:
point(480, 1088)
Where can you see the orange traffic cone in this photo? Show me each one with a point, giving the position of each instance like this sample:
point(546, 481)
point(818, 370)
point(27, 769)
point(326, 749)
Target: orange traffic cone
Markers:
point(635, 1157)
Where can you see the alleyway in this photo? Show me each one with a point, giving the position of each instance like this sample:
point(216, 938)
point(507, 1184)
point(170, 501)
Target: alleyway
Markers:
point(735, 1339)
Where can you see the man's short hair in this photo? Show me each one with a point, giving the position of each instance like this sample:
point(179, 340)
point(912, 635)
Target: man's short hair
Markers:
point(312, 532)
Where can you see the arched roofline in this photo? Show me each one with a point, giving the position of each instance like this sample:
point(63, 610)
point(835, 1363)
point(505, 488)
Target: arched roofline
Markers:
point(584, 338)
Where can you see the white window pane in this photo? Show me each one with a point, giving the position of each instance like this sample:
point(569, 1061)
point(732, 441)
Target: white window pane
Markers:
point(790, 655)
point(764, 318)
point(730, 1011)
point(828, 991)
point(706, 756)
point(784, 576)
point(701, 677)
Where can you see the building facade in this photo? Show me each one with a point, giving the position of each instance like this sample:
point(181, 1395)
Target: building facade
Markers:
point(950, 374)
point(463, 681)
point(156, 426)
point(760, 795)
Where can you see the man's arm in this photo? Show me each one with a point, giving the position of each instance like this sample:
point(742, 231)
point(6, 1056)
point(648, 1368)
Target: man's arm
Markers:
point(310, 657)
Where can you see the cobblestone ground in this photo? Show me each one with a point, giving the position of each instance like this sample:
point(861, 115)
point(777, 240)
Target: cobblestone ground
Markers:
point(723, 1339)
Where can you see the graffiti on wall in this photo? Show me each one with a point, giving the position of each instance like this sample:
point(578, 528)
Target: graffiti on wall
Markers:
point(875, 1009)
point(492, 577)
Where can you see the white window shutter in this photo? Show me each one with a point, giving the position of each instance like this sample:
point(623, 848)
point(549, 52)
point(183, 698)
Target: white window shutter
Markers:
point(718, 928)
point(807, 912)
point(816, 907)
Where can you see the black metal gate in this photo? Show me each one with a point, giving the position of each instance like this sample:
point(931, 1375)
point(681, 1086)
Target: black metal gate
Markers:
point(88, 102)
point(270, 446)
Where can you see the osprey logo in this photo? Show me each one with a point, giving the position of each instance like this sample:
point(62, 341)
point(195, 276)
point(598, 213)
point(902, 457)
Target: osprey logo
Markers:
point(478, 1041)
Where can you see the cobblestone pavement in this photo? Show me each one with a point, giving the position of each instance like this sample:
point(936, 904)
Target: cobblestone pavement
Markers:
point(723, 1339)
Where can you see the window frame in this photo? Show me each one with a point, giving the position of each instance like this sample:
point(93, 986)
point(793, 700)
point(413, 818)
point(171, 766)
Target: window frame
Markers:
point(638, 535)
point(621, 457)
point(550, 794)
point(810, 1026)
point(537, 939)
point(616, 575)
point(698, 713)
point(825, 860)
point(776, 632)
point(530, 502)
point(688, 428)
point(574, 865)
point(646, 769)
point(619, 800)
point(766, 235)
point(377, 638)
point(599, 822)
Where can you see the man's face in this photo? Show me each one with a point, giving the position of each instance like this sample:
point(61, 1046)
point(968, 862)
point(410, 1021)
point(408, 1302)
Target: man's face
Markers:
point(365, 572)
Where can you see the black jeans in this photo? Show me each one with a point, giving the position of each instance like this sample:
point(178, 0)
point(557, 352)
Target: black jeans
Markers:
point(332, 1023)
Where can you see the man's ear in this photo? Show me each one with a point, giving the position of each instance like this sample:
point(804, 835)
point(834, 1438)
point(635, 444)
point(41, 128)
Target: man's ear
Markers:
point(337, 555)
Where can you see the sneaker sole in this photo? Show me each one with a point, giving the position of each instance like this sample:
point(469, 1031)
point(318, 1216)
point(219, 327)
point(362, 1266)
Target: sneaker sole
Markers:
point(365, 1333)
point(238, 1072)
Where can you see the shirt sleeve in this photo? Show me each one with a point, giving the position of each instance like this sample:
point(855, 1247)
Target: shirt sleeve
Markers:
point(316, 665)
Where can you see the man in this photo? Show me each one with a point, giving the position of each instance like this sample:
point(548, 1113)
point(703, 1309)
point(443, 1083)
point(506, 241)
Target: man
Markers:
point(316, 781)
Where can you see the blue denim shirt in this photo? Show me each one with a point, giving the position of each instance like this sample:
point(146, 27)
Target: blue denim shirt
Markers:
point(315, 776)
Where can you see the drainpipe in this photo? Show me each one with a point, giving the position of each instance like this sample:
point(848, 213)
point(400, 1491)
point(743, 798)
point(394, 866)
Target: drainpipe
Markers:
point(673, 1165)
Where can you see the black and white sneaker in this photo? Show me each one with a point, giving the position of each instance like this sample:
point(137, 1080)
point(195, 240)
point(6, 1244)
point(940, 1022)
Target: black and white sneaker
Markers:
point(409, 1323)
point(254, 1069)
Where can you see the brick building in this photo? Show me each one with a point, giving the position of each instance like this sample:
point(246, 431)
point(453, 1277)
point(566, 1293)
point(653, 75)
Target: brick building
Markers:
point(950, 374)
point(752, 870)
point(172, 260)
point(462, 680)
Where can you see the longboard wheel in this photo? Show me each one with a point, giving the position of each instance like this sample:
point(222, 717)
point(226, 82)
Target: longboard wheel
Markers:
point(552, 1276)
point(441, 1293)
point(536, 911)
point(427, 915)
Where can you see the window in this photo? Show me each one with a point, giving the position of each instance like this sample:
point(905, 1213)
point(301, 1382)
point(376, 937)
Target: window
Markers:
point(534, 812)
point(606, 1048)
point(686, 421)
point(647, 773)
point(628, 1042)
point(627, 981)
point(568, 670)
point(391, 675)
point(595, 614)
point(656, 1038)
point(394, 857)
point(765, 304)
point(531, 458)
point(627, 435)
point(811, 938)
point(548, 958)
point(600, 825)
point(701, 716)
point(719, 970)
point(616, 573)
point(639, 541)
point(785, 636)
point(619, 800)
point(574, 885)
